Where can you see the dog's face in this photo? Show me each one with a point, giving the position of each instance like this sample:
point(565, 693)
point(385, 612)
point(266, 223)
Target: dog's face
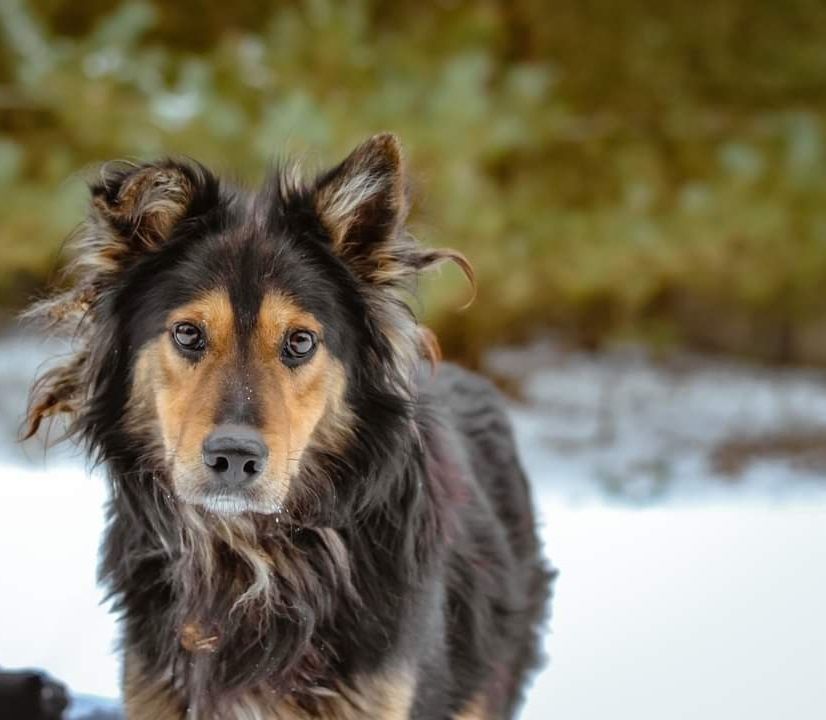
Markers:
point(237, 338)
point(235, 384)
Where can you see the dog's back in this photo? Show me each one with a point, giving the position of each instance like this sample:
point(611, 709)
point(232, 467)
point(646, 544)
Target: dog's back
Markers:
point(497, 582)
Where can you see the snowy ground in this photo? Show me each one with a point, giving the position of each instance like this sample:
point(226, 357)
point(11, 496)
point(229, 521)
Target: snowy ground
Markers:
point(685, 507)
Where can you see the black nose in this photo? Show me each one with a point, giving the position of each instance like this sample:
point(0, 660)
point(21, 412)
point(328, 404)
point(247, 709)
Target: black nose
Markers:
point(235, 453)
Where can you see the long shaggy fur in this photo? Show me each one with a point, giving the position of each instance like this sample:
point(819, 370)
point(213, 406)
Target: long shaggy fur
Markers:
point(406, 547)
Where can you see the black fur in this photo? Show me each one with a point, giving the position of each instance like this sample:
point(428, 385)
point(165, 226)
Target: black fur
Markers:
point(416, 544)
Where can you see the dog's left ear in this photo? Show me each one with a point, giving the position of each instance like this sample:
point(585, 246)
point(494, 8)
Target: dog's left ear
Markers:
point(362, 203)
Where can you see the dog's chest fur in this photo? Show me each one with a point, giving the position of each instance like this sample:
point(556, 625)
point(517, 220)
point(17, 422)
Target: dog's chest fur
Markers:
point(243, 621)
point(387, 695)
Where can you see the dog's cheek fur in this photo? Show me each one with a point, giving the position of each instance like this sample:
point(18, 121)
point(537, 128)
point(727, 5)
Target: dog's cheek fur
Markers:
point(140, 417)
point(187, 393)
point(305, 406)
point(172, 401)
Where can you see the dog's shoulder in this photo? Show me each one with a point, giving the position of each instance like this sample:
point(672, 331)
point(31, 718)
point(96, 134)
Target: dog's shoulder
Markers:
point(470, 404)
point(460, 389)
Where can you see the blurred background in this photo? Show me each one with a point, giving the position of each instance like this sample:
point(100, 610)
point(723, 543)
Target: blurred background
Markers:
point(641, 187)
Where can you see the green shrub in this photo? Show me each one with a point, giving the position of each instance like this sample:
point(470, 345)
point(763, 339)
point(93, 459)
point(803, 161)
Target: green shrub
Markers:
point(611, 169)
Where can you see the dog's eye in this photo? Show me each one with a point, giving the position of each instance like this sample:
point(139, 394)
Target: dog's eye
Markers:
point(298, 347)
point(188, 337)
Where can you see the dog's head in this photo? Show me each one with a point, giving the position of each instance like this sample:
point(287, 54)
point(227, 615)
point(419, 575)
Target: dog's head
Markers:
point(246, 347)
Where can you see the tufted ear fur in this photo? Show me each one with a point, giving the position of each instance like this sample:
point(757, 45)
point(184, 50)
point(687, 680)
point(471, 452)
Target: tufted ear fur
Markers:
point(135, 207)
point(363, 205)
point(362, 201)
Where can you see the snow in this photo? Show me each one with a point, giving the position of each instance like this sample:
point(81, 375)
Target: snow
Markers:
point(51, 611)
point(674, 612)
point(682, 594)
point(713, 612)
point(618, 428)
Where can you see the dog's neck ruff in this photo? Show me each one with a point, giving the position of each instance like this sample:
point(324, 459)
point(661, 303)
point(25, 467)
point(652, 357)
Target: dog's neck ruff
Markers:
point(222, 606)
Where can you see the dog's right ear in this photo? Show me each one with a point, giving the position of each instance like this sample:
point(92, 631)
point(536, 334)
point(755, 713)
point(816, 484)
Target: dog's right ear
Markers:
point(134, 208)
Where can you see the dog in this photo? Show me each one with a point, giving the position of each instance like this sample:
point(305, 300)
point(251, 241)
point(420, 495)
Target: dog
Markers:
point(310, 516)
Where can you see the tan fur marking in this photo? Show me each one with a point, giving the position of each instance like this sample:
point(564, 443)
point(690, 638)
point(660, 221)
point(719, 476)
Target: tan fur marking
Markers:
point(186, 394)
point(174, 400)
point(301, 397)
point(475, 710)
point(300, 406)
point(384, 696)
point(144, 699)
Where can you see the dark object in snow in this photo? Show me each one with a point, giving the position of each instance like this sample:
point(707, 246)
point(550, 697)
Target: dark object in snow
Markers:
point(31, 695)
